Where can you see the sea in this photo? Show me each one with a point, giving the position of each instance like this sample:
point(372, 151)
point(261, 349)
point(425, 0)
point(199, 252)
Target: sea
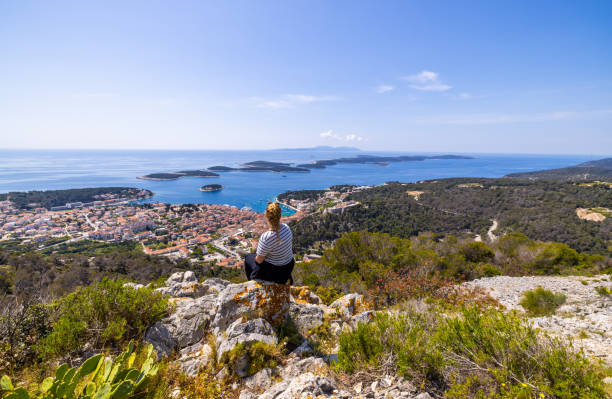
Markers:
point(25, 170)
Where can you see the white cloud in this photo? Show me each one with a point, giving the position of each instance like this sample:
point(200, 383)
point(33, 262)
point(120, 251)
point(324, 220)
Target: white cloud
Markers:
point(292, 100)
point(349, 137)
point(427, 81)
point(465, 96)
point(384, 88)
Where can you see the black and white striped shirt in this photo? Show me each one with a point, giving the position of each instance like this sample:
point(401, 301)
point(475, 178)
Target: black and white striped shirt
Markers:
point(278, 252)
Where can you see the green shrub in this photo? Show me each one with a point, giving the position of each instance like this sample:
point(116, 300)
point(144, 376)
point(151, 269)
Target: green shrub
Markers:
point(103, 314)
point(477, 353)
point(476, 252)
point(603, 291)
point(489, 270)
point(541, 302)
point(129, 375)
point(401, 341)
point(553, 256)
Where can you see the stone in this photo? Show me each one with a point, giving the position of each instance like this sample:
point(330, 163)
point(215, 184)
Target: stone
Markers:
point(133, 285)
point(423, 395)
point(306, 317)
point(194, 357)
point(183, 284)
point(363, 317)
point(260, 380)
point(162, 339)
point(303, 350)
point(245, 332)
point(252, 299)
point(350, 305)
point(303, 295)
point(296, 367)
point(247, 395)
point(215, 285)
point(302, 386)
point(184, 327)
point(358, 387)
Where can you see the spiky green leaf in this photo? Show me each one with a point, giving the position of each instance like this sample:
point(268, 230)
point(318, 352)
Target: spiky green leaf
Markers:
point(46, 384)
point(5, 383)
point(123, 390)
point(90, 365)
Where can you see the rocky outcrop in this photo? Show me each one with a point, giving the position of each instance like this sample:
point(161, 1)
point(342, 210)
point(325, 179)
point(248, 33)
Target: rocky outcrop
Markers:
point(244, 314)
point(245, 332)
point(252, 299)
point(185, 326)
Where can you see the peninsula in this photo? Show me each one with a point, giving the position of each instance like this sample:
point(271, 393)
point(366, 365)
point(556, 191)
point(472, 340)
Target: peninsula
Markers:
point(211, 187)
point(593, 170)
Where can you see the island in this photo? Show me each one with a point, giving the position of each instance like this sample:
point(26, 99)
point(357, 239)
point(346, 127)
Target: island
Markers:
point(261, 166)
point(282, 167)
point(377, 160)
point(211, 187)
point(176, 175)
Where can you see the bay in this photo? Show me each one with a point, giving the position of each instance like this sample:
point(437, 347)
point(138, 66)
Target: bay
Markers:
point(24, 170)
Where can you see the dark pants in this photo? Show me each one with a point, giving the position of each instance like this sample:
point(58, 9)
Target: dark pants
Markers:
point(267, 271)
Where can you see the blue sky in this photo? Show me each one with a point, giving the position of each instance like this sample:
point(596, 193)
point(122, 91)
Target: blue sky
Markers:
point(436, 76)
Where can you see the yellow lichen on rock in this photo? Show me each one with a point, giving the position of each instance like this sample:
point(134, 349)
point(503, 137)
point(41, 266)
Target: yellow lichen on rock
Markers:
point(304, 295)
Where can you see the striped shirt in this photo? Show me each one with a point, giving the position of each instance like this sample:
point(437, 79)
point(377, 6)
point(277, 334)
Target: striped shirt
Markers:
point(278, 252)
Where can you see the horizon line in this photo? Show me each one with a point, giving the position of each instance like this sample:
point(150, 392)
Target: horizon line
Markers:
point(301, 148)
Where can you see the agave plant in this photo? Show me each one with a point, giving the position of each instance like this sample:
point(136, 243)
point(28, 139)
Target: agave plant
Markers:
point(99, 377)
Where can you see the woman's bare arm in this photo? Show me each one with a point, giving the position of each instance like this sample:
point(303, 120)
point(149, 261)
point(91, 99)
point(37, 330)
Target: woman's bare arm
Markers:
point(259, 259)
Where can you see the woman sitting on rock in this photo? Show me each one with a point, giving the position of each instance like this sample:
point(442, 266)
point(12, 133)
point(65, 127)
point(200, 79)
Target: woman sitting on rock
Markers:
point(273, 260)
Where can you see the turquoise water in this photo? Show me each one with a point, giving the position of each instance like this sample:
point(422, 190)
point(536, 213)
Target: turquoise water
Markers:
point(22, 170)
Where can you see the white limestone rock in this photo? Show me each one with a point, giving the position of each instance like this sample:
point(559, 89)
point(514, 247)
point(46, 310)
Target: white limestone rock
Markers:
point(245, 332)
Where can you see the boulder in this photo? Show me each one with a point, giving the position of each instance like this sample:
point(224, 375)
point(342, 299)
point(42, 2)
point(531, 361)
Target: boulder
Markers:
point(195, 357)
point(183, 284)
point(304, 295)
point(305, 316)
point(261, 380)
point(296, 367)
point(184, 327)
point(350, 305)
point(363, 317)
point(215, 285)
point(245, 332)
point(252, 299)
point(303, 386)
point(133, 285)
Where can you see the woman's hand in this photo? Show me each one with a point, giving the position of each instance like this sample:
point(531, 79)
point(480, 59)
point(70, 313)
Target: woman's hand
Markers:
point(259, 259)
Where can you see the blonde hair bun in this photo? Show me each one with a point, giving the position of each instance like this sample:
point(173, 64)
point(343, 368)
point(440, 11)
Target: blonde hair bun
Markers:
point(273, 214)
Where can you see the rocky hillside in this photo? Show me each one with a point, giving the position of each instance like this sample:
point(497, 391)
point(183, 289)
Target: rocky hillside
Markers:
point(216, 321)
point(585, 317)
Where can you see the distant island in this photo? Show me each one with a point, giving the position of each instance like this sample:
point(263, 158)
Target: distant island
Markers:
point(320, 148)
point(282, 167)
point(592, 170)
point(176, 175)
point(211, 187)
point(379, 160)
point(261, 166)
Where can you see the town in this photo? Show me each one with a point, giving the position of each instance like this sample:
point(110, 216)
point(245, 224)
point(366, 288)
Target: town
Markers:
point(205, 232)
